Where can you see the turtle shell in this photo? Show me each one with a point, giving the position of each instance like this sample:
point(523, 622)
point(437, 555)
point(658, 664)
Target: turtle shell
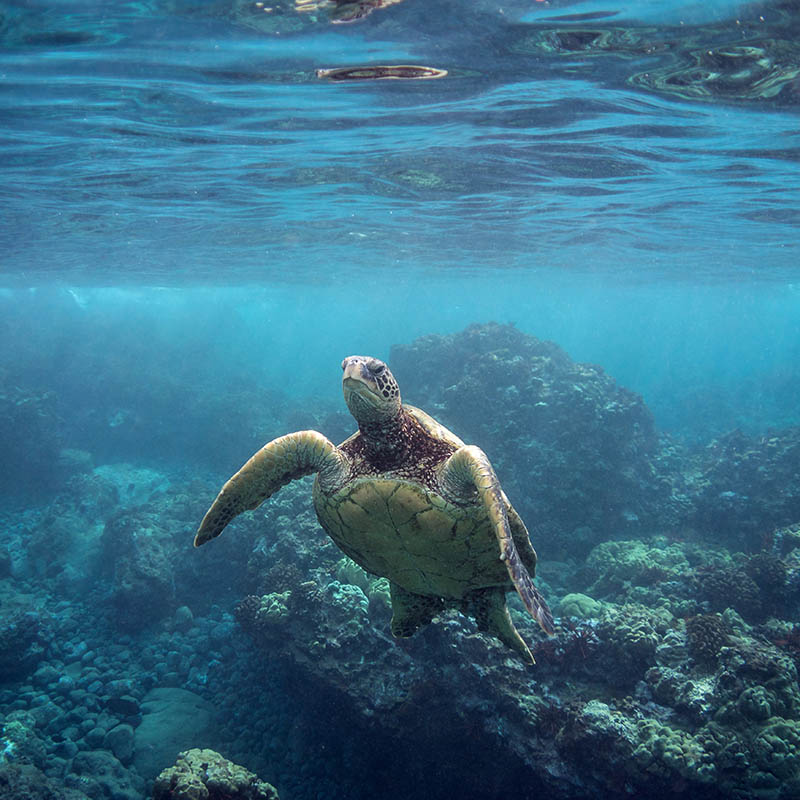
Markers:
point(408, 533)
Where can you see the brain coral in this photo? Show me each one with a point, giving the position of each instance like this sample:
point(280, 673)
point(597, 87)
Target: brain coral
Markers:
point(776, 750)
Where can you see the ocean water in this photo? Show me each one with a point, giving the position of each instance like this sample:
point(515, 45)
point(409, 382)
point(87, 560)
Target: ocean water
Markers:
point(197, 224)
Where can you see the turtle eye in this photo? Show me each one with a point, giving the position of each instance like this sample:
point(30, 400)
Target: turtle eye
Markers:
point(376, 367)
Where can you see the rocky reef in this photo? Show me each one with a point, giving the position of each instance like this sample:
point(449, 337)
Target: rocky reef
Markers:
point(677, 698)
point(131, 664)
point(746, 486)
point(31, 432)
point(574, 450)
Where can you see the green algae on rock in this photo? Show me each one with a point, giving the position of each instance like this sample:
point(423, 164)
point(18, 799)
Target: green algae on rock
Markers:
point(579, 605)
point(201, 774)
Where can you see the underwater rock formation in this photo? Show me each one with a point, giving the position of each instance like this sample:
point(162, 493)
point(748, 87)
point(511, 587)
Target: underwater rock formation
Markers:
point(26, 782)
point(747, 486)
point(692, 701)
point(141, 555)
point(327, 630)
point(138, 548)
point(205, 775)
point(23, 641)
point(573, 450)
point(31, 432)
point(673, 671)
point(173, 719)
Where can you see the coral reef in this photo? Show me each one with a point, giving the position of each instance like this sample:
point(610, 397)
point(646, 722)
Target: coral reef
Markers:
point(573, 450)
point(757, 586)
point(206, 775)
point(747, 485)
point(706, 634)
point(673, 671)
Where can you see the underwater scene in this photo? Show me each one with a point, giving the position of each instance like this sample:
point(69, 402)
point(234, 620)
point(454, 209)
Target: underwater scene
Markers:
point(399, 399)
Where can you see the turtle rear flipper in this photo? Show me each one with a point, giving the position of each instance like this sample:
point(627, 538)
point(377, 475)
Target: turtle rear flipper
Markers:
point(489, 608)
point(468, 471)
point(411, 611)
point(277, 463)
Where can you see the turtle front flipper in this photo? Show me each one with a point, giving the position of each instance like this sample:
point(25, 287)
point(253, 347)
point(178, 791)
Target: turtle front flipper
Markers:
point(277, 463)
point(468, 471)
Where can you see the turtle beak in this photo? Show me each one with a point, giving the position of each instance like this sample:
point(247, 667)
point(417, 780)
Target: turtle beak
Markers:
point(353, 370)
point(357, 380)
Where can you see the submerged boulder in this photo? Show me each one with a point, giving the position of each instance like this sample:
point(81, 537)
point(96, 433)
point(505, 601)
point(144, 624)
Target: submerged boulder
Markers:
point(173, 720)
point(24, 637)
point(31, 430)
point(138, 549)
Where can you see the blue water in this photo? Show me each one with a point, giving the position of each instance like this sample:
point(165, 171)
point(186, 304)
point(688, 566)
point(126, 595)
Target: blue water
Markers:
point(195, 229)
point(187, 145)
point(177, 143)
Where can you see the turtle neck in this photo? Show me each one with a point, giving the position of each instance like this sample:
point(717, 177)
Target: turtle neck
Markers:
point(387, 442)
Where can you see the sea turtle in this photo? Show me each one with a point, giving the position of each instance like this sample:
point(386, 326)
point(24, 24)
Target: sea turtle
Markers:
point(407, 500)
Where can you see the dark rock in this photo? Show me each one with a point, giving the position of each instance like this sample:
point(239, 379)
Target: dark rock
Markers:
point(46, 714)
point(71, 733)
point(45, 675)
point(119, 740)
point(78, 696)
point(95, 737)
point(23, 639)
point(123, 706)
point(66, 749)
point(173, 720)
point(26, 782)
point(139, 551)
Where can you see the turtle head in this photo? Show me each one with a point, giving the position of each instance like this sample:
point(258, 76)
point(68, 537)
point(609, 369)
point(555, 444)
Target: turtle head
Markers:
point(370, 390)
